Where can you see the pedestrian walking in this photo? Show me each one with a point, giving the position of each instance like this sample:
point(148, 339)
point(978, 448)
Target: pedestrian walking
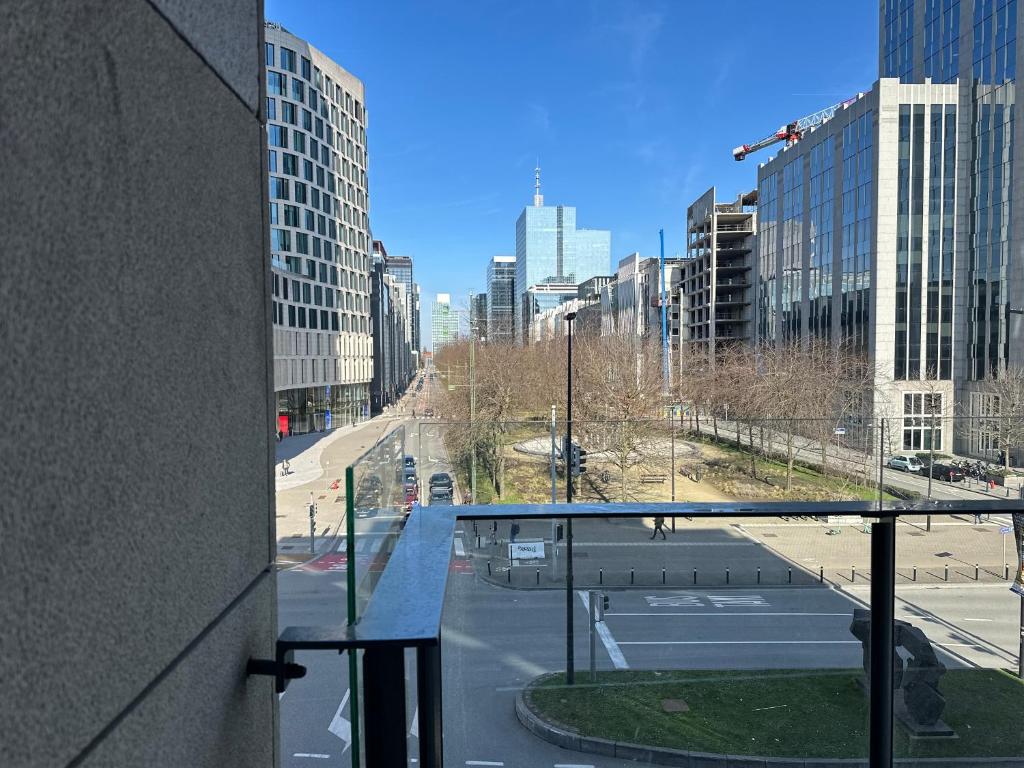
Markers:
point(659, 527)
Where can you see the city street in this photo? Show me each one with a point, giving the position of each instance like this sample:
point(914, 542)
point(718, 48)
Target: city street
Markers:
point(496, 639)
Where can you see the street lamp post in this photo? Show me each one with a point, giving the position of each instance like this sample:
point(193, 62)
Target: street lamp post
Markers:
point(570, 675)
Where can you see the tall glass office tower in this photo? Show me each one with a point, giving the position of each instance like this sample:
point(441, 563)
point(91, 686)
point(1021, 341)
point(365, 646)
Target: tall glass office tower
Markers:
point(550, 249)
point(972, 43)
point(501, 298)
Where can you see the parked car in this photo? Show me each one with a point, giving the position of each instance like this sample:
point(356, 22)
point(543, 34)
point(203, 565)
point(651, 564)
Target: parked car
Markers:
point(428, 413)
point(410, 461)
point(905, 463)
point(441, 480)
point(410, 475)
point(944, 472)
point(368, 496)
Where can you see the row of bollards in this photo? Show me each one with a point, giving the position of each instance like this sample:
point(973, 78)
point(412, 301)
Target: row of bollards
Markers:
point(789, 574)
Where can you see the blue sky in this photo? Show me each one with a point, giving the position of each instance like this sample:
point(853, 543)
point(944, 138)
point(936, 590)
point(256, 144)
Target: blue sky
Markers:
point(633, 109)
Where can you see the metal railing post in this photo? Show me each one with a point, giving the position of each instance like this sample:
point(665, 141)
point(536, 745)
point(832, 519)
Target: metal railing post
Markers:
point(384, 697)
point(428, 696)
point(883, 601)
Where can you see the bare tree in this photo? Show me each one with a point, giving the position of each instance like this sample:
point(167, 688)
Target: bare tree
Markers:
point(619, 398)
point(1004, 418)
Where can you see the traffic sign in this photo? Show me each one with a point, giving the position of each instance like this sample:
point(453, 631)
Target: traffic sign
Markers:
point(839, 431)
point(1004, 529)
point(327, 420)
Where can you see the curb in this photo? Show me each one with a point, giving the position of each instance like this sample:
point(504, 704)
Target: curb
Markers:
point(568, 738)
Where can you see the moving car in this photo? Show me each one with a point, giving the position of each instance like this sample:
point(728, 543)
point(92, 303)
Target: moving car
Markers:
point(441, 497)
point(410, 462)
point(412, 494)
point(944, 472)
point(410, 474)
point(441, 480)
point(905, 463)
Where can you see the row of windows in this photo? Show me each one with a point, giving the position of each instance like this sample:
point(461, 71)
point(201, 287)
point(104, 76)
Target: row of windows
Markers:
point(321, 295)
point(300, 317)
point(279, 190)
point(314, 76)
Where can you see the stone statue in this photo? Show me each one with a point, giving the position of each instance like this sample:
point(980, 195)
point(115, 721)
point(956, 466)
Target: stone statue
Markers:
point(916, 672)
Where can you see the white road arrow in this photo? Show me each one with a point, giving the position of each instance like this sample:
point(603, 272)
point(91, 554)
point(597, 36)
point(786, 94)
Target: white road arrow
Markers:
point(340, 726)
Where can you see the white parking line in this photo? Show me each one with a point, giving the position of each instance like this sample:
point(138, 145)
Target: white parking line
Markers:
point(482, 762)
point(737, 615)
point(573, 765)
point(460, 548)
point(614, 652)
point(739, 642)
point(311, 754)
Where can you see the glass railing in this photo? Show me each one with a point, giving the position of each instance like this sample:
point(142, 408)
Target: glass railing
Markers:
point(707, 596)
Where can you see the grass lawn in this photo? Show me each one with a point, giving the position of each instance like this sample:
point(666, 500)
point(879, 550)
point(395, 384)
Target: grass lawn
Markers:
point(780, 713)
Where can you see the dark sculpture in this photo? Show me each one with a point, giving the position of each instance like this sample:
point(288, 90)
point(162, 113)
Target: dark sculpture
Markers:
point(916, 669)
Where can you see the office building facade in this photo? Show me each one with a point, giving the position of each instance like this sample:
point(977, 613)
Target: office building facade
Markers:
point(478, 316)
point(550, 249)
point(320, 240)
point(402, 268)
point(444, 322)
point(972, 45)
point(856, 243)
point(501, 299)
point(393, 362)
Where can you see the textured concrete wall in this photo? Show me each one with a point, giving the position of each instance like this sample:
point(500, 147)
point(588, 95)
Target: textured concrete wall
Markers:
point(136, 522)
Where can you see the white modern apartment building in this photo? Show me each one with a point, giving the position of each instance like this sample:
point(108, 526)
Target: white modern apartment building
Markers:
point(320, 236)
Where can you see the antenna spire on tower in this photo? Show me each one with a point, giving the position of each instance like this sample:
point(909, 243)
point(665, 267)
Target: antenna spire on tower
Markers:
point(538, 198)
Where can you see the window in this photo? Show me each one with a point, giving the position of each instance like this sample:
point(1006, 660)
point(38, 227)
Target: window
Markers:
point(308, 220)
point(300, 192)
point(301, 242)
point(288, 112)
point(277, 136)
point(316, 246)
point(291, 216)
point(302, 324)
point(298, 90)
point(307, 120)
point(334, 327)
point(299, 142)
point(314, 195)
point(291, 164)
point(271, 109)
point(287, 59)
point(276, 83)
point(920, 430)
point(306, 68)
point(272, 161)
point(313, 98)
point(291, 317)
point(318, 295)
point(313, 148)
point(306, 293)
point(278, 188)
point(275, 210)
point(312, 324)
point(307, 170)
point(318, 128)
point(320, 176)
point(280, 240)
point(268, 59)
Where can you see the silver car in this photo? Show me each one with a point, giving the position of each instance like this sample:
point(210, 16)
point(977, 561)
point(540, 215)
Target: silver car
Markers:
point(905, 463)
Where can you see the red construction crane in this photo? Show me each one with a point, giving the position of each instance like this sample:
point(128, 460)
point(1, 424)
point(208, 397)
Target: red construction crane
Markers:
point(792, 132)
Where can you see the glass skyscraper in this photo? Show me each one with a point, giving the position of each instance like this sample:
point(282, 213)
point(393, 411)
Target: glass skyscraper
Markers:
point(550, 249)
point(501, 298)
point(444, 322)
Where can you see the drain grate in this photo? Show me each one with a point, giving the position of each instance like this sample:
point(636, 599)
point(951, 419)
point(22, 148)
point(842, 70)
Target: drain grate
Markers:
point(915, 533)
point(769, 535)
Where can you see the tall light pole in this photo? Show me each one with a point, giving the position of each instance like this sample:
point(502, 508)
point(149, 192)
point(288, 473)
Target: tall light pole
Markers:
point(472, 403)
point(570, 673)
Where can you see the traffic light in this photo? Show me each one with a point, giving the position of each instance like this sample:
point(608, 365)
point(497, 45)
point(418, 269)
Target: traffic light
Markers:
point(604, 602)
point(581, 461)
point(312, 511)
point(559, 532)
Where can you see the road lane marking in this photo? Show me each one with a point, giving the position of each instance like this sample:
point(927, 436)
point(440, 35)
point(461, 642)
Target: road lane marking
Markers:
point(967, 619)
point(735, 615)
point(414, 729)
point(311, 754)
point(573, 765)
point(460, 548)
point(739, 642)
point(340, 726)
point(482, 762)
point(614, 652)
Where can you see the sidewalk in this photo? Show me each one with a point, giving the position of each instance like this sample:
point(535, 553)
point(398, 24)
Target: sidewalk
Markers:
point(318, 473)
point(746, 552)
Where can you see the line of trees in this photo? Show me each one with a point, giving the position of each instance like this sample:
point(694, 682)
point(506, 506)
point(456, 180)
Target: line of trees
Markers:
point(782, 400)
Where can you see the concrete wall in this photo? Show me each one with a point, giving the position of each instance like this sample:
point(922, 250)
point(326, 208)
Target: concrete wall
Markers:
point(137, 517)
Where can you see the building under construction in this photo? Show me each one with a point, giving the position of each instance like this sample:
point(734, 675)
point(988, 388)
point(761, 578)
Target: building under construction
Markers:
point(716, 295)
